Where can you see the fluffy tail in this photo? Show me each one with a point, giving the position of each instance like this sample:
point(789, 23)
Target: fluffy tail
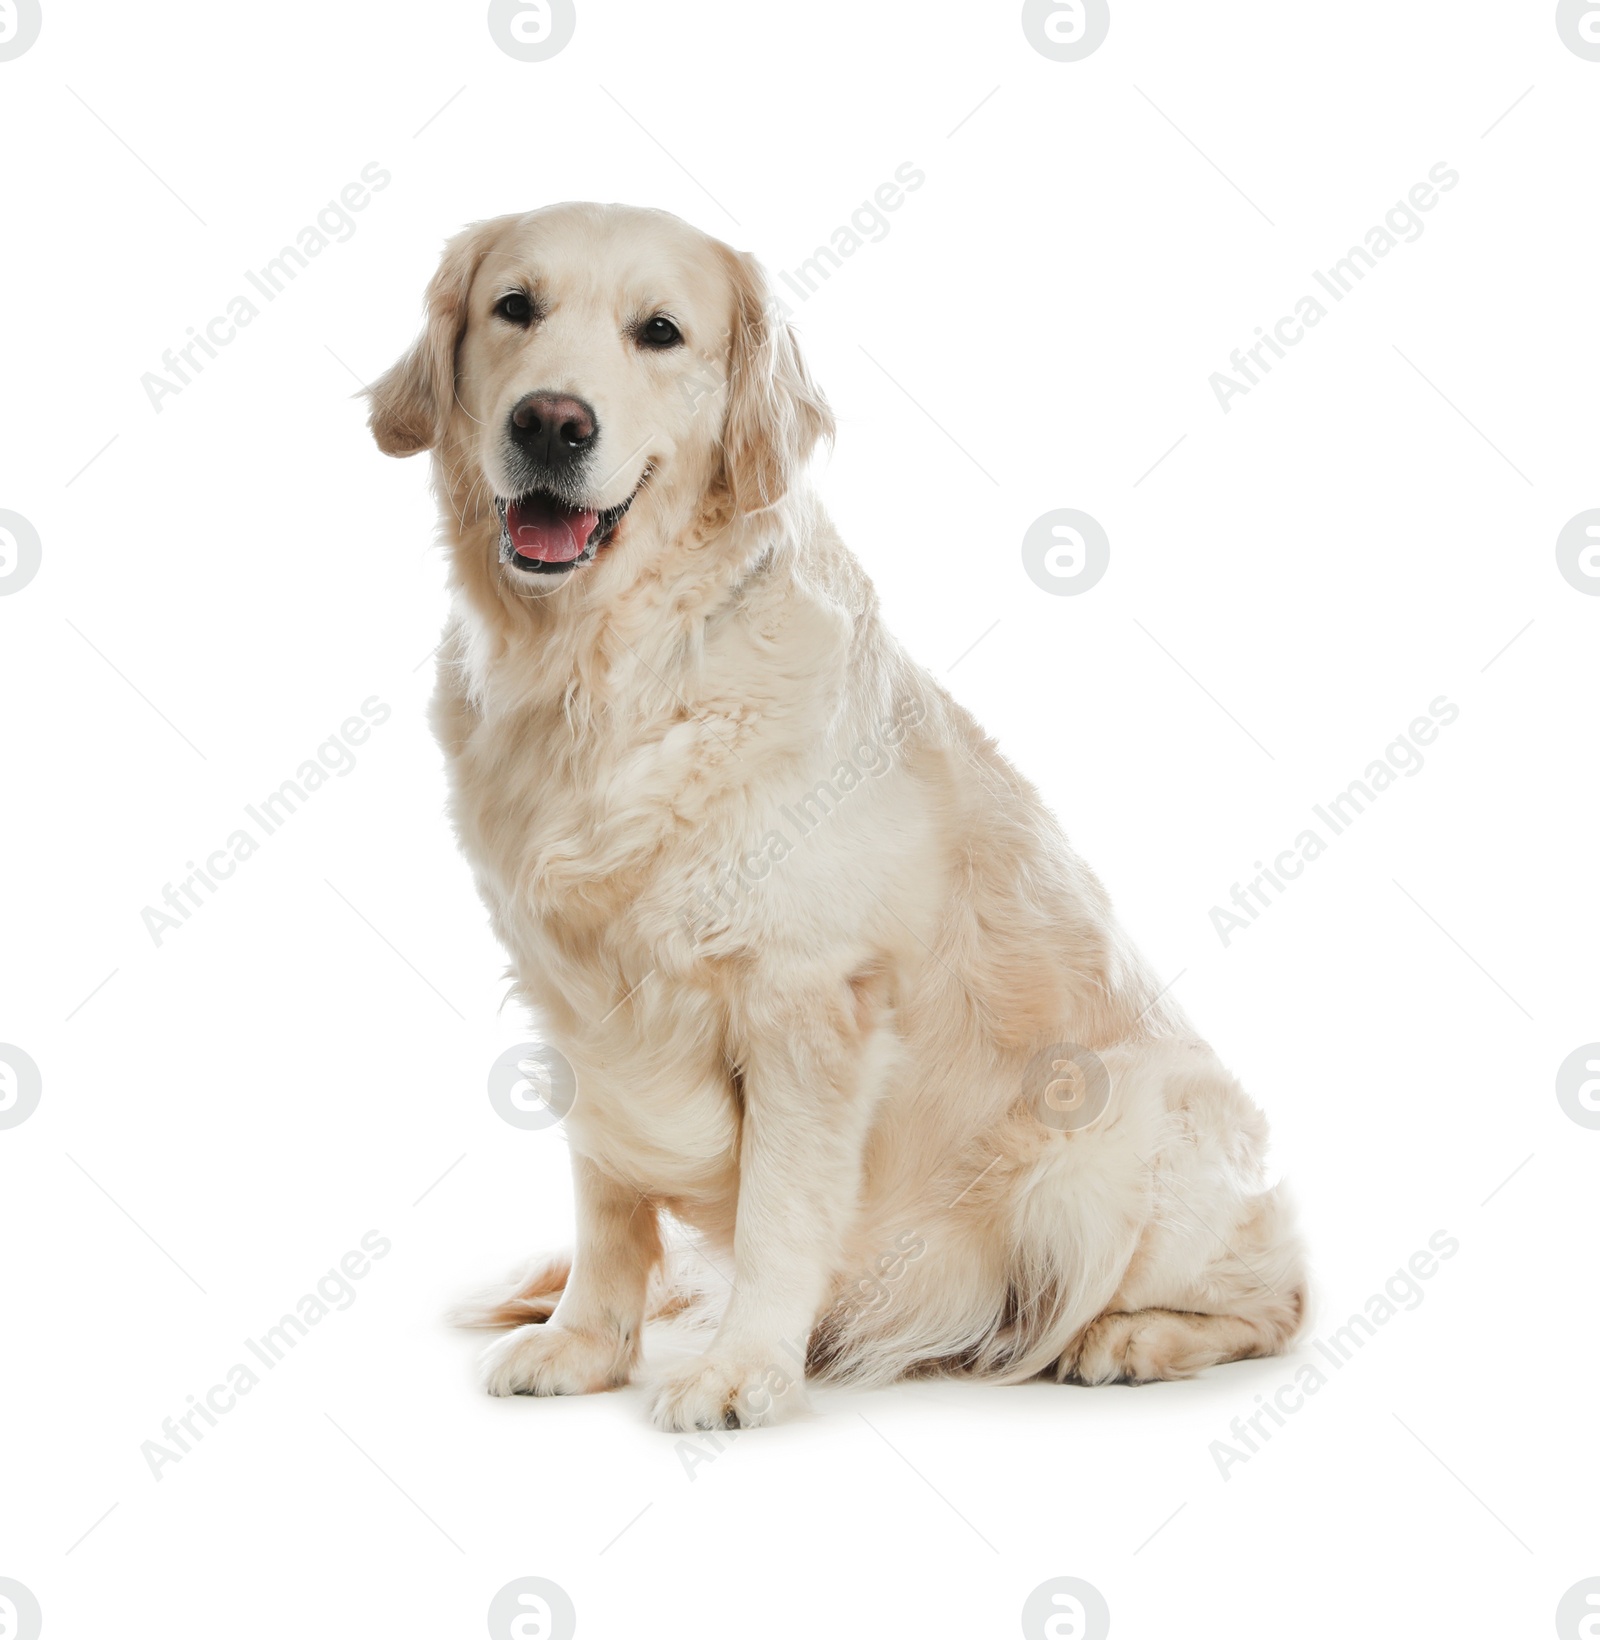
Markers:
point(688, 1289)
point(532, 1297)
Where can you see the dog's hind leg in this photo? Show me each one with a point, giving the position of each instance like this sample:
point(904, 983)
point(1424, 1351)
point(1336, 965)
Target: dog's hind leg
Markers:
point(1247, 1300)
point(1218, 1273)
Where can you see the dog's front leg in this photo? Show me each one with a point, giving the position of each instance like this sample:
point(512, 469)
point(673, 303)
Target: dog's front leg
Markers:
point(813, 1064)
point(591, 1342)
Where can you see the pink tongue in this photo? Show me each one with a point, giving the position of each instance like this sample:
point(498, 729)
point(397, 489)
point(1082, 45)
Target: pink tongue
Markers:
point(542, 528)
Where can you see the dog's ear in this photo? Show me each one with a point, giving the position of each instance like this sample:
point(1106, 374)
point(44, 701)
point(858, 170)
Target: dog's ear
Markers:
point(411, 400)
point(776, 414)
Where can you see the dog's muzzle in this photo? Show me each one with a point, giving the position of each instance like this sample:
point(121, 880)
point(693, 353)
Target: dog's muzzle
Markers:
point(542, 535)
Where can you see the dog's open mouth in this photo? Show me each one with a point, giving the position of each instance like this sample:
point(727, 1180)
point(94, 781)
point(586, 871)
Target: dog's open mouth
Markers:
point(541, 533)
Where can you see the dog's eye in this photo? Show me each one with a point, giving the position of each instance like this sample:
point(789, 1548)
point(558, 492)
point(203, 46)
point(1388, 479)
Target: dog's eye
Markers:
point(659, 332)
point(515, 308)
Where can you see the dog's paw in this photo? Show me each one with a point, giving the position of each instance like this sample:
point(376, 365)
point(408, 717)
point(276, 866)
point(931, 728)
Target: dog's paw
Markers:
point(1137, 1348)
point(543, 1360)
point(712, 1393)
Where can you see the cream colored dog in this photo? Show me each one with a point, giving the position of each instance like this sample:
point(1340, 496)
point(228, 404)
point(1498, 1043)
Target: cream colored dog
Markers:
point(839, 996)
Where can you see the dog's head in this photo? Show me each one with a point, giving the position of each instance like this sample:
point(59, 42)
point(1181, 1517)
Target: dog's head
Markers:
point(585, 365)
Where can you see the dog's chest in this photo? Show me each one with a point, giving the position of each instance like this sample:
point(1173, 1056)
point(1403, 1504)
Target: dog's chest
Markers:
point(577, 850)
point(577, 829)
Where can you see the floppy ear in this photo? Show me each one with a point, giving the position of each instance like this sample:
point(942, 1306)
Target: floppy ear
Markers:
point(411, 401)
point(776, 413)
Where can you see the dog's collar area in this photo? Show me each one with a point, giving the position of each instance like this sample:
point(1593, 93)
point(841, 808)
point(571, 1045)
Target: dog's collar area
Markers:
point(561, 538)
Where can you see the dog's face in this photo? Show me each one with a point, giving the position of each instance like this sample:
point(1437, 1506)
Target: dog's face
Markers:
point(585, 367)
point(592, 360)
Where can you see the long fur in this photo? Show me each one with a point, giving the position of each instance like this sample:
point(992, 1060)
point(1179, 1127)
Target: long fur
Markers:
point(800, 928)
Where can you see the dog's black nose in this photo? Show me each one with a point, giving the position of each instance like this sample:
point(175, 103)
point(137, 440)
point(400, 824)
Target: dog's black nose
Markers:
point(554, 428)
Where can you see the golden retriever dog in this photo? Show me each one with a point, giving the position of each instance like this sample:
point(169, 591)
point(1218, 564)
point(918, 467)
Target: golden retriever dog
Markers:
point(845, 1010)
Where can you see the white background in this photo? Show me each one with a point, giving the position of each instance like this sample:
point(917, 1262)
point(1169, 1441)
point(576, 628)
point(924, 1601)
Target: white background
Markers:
point(228, 1113)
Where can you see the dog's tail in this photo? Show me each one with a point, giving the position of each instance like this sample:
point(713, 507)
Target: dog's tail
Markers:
point(687, 1289)
point(531, 1297)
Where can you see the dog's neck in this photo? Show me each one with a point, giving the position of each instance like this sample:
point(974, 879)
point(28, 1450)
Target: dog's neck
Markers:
point(583, 643)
